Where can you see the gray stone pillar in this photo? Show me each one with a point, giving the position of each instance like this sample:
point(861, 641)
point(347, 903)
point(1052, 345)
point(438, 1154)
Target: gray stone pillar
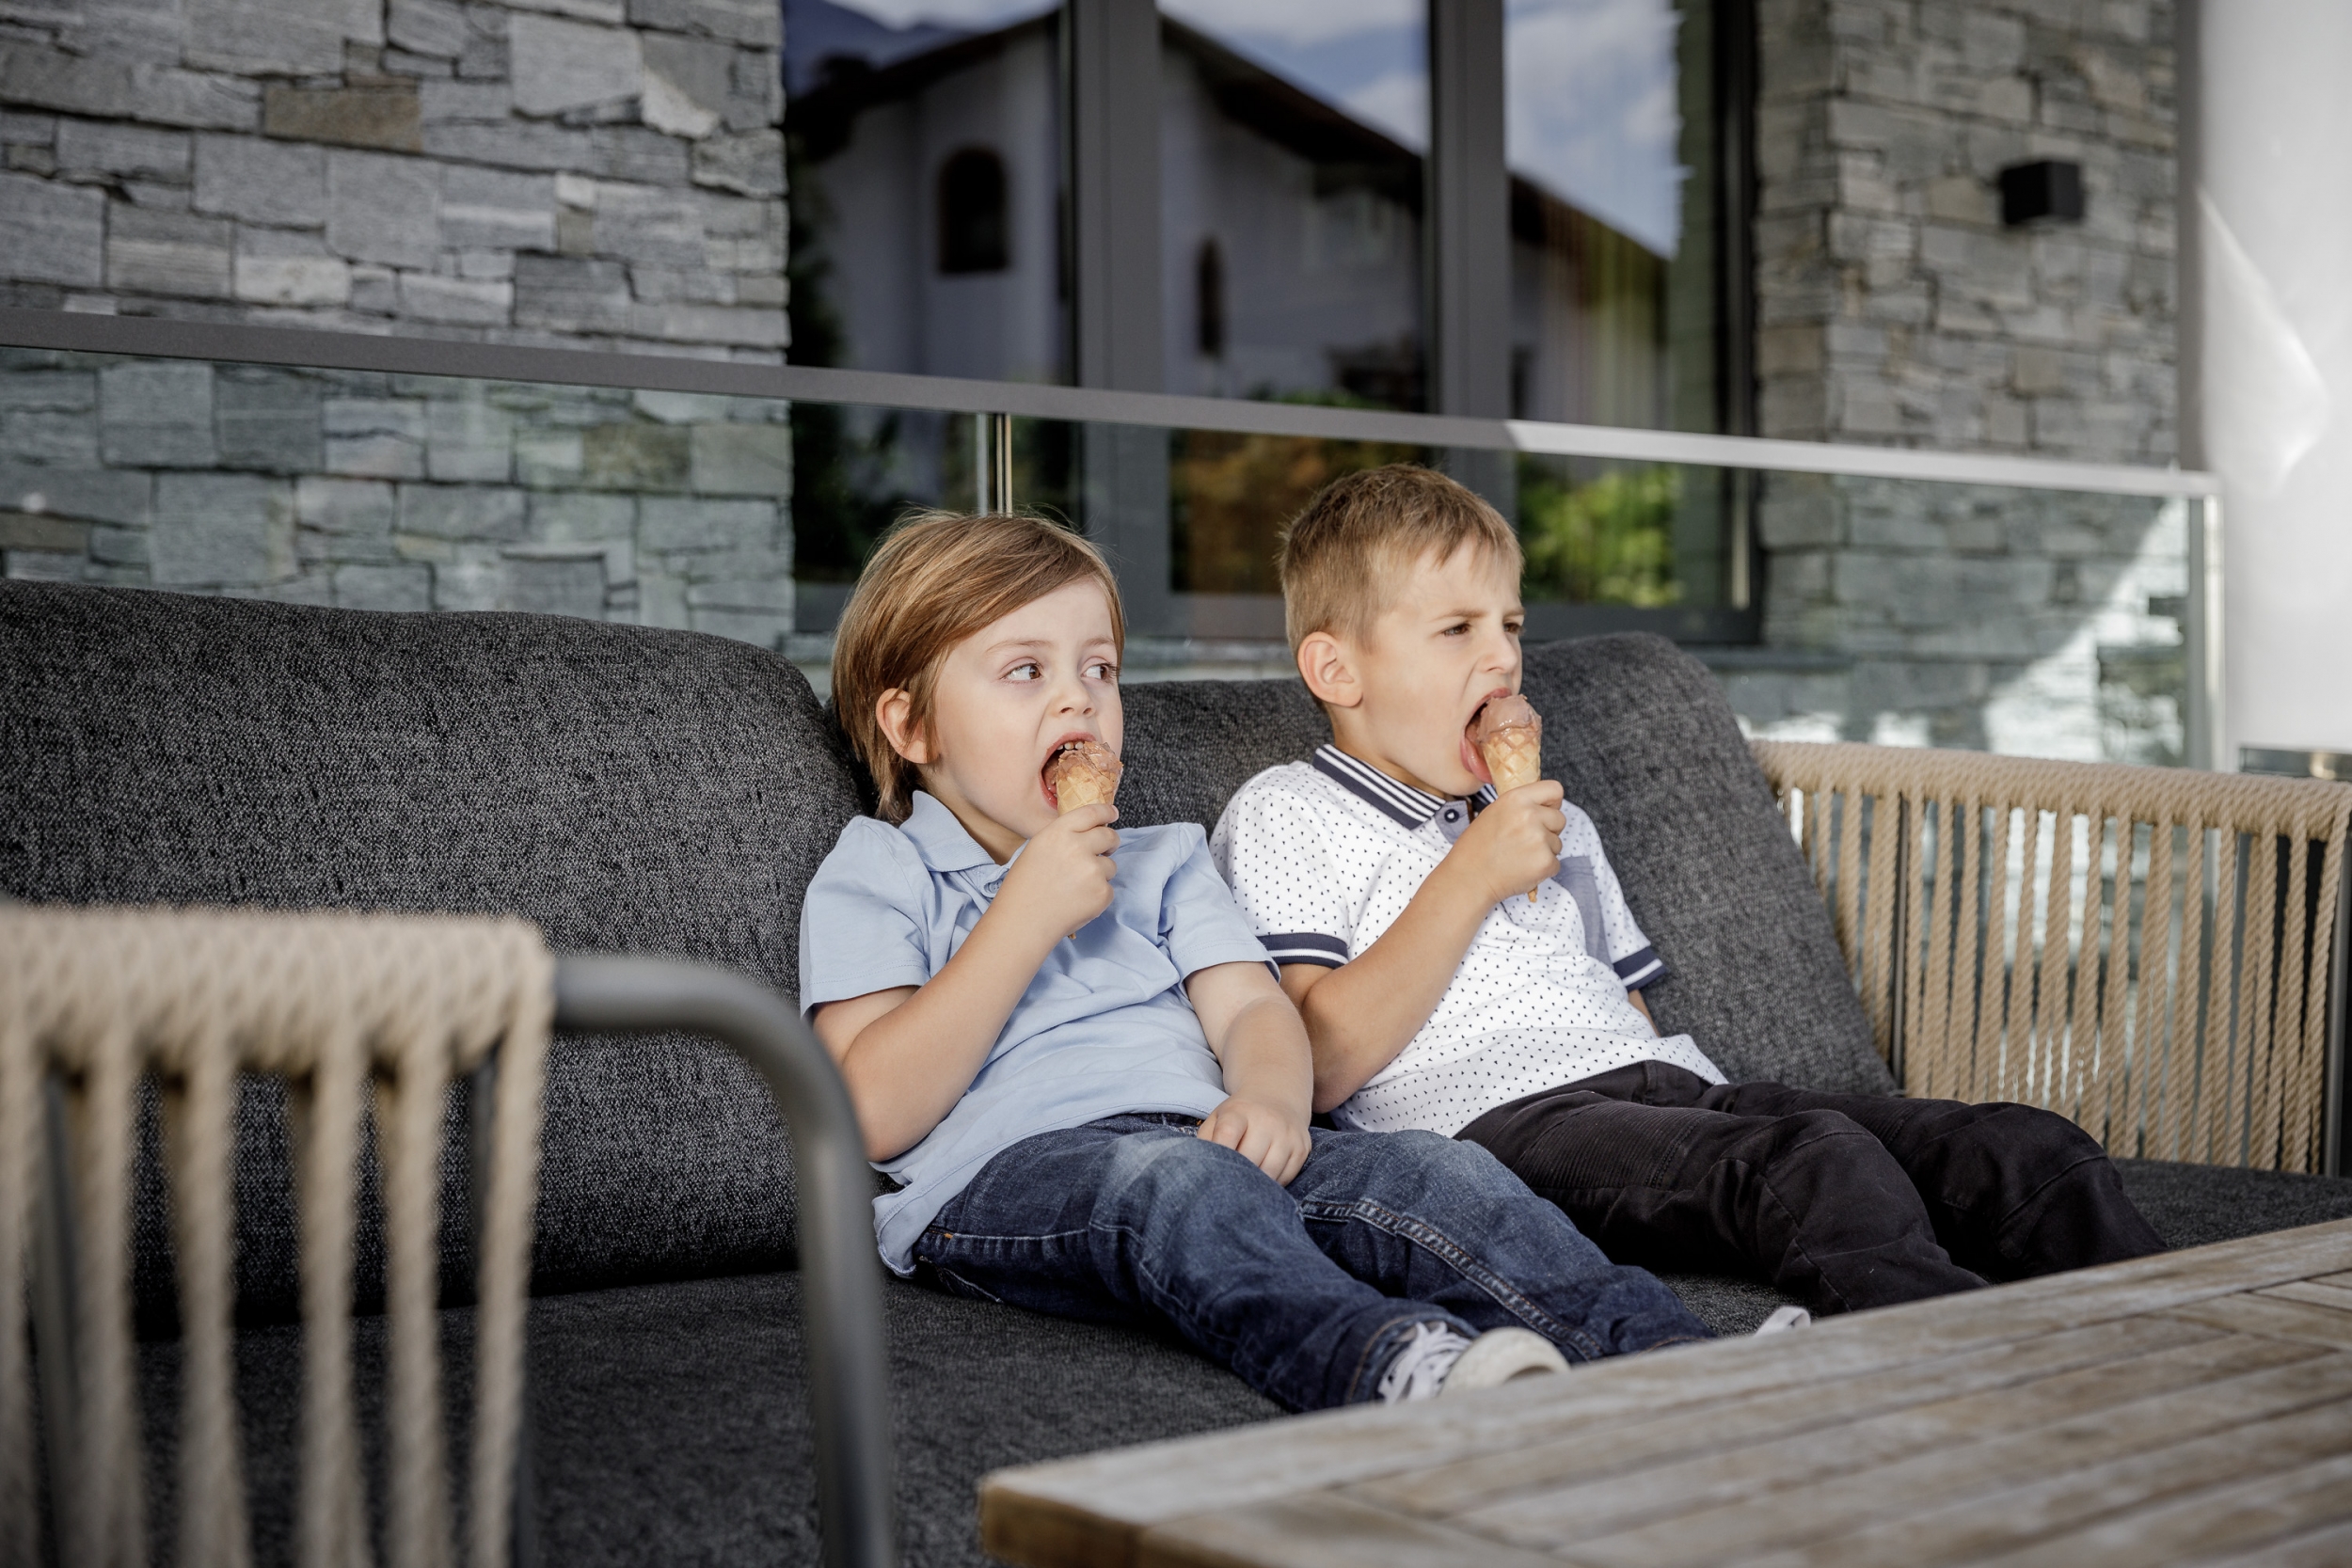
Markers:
point(2266, 352)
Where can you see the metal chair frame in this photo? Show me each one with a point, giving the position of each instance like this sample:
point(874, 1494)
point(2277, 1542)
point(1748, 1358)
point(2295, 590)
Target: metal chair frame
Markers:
point(841, 1299)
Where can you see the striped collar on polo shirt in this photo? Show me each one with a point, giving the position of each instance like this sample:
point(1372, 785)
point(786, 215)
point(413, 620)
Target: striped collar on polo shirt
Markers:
point(1407, 807)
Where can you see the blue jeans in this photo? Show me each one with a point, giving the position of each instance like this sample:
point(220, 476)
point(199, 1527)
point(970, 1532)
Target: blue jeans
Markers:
point(1306, 1291)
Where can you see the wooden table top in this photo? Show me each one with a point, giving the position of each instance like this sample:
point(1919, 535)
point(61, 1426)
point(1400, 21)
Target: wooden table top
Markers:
point(2189, 1408)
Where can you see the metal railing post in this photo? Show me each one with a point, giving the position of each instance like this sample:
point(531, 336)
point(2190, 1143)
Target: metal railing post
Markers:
point(2205, 721)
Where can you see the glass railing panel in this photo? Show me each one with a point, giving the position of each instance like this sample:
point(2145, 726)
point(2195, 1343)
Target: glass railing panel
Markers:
point(2037, 621)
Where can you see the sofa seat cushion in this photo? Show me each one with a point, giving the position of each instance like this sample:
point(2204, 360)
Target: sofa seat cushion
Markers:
point(673, 1419)
point(673, 1426)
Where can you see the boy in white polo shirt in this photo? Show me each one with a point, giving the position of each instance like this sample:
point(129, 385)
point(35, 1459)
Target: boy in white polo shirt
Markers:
point(1389, 882)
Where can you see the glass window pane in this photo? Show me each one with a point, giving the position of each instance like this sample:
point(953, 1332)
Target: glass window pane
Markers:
point(925, 146)
point(924, 141)
point(1610, 136)
point(1292, 135)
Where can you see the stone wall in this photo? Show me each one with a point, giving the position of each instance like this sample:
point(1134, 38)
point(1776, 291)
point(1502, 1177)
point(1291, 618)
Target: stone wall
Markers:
point(1893, 308)
point(383, 492)
point(587, 173)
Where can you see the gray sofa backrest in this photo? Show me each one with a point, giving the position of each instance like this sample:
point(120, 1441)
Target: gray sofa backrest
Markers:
point(1642, 738)
point(661, 792)
point(630, 790)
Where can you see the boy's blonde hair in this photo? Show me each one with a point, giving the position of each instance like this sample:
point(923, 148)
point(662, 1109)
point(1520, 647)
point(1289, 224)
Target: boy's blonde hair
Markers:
point(1342, 557)
point(937, 579)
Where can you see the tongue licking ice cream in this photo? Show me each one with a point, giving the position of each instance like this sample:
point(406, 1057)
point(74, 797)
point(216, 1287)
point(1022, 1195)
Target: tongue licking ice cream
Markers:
point(1082, 773)
point(1510, 739)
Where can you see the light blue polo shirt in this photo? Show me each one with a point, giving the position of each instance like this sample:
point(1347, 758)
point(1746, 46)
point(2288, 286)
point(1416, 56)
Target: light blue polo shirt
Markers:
point(1104, 1028)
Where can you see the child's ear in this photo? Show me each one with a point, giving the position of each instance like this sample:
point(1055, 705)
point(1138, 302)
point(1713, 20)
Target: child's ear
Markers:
point(1323, 664)
point(893, 710)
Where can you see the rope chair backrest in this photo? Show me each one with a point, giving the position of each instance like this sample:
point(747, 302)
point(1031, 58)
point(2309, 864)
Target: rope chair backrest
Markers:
point(93, 1000)
point(2145, 950)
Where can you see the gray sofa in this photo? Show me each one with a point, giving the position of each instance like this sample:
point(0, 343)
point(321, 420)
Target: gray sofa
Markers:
point(659, 792)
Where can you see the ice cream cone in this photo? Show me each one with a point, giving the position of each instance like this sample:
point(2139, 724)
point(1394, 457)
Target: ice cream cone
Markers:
point(1082, 773)
point(1509, 735)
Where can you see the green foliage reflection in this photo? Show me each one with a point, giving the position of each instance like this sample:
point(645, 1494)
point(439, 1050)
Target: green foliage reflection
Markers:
point(1608, 539)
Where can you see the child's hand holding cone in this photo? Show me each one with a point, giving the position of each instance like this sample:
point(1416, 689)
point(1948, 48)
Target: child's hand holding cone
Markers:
point(1082, 773)
point(1510, 739)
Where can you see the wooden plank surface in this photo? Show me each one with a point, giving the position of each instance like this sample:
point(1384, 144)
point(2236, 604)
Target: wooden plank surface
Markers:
point(1782, 1493)
point(2195, 1404)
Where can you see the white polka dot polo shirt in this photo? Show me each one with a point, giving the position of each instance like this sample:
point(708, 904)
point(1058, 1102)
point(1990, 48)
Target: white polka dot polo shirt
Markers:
point(1323, 857)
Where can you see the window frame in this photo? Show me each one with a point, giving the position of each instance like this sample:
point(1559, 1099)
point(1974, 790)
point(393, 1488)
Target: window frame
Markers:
point(1112, 260)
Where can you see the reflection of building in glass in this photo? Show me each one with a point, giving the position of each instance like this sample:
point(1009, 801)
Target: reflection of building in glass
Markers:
point(1291, 229)
point(936, 200)
point(1314, 217)
point(1587, 317)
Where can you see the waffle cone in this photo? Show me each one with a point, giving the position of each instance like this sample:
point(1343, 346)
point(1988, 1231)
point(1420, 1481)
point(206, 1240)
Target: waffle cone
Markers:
point(1514, 756)
point(1083, 774)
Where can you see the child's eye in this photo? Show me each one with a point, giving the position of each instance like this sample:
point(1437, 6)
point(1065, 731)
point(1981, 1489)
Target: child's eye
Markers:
point(1026, 671)
point(1459, 629)
point(1102, 670)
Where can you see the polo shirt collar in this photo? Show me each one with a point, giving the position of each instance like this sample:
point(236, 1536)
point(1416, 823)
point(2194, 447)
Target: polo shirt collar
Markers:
point(1407, 807)
point(941, 840)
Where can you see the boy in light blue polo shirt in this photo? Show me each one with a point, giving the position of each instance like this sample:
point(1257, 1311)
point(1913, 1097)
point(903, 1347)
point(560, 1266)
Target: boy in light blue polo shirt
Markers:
point(1068, 1048)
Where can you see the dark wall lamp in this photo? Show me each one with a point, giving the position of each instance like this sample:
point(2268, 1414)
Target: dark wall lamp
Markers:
point(2048, 190)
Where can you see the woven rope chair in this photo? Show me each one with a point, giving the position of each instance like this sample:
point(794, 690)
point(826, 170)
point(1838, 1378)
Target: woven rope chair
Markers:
point(2157, 954)
point(348, 1009)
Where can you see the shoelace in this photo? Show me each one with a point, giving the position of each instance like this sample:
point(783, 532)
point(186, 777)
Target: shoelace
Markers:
point(1419, 1369)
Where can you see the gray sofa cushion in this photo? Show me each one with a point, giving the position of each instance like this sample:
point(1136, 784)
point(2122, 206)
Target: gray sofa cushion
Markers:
point(673, 1419)
point(1190, 744)
point(629, 790)
point(1642, 738)
point(673, 1426)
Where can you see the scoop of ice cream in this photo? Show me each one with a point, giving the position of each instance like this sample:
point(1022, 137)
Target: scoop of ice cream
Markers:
point(1501, 714)
point(1082, 773)
point(1509, 737)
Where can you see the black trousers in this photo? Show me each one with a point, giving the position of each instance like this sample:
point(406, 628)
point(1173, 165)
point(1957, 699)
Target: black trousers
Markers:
point(1844, 1200)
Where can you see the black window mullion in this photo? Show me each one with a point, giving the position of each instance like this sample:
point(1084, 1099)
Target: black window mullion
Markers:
point(1466, 235)
point(1113, 86)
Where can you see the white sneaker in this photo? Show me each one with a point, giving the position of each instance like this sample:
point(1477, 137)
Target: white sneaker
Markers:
point(1783, 1319)
point(1500, 1355)
point(1417, 1371)
point(1438, 1361)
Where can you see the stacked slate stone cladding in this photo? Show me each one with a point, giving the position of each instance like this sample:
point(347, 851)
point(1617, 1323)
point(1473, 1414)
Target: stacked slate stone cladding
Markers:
point(1893, 306)
point(398, 491)
point(578, 173)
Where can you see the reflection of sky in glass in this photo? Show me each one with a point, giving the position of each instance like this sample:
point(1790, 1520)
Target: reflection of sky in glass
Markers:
point(1368, 57)
point(1592, 110)
point(881, 32)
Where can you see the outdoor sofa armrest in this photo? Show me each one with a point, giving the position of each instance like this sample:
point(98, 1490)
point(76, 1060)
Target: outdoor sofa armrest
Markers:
point(2157, 952)
point(841, 1285)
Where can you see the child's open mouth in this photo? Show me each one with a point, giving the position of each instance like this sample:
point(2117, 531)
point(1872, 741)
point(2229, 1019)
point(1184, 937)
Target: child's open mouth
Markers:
point(1472, 757)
